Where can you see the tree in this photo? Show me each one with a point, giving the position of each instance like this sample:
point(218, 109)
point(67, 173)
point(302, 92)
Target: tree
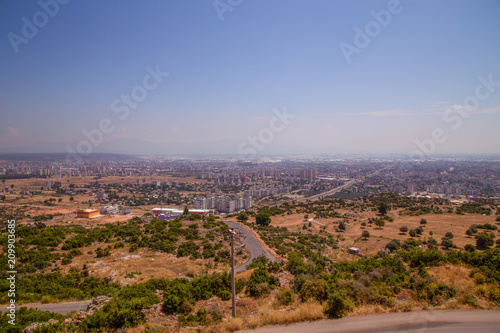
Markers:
point(3, 197)
point(413, 233)
point(379, 223)
point(12, 186)
point(365, 234)
point(498, 218)
point(403, 229)
point(393, 245)
point(263, 219)
point(432, 243)
point(446, 242)
point(60, 200)
point(423, 221)
point(469, 232)
point(342, 225)
point(186, 211)
point(484, 241)
point(384, 208)
point(470, 248)
point(449, 235)
point(242, 217)
point(419, 230)
point(71, 198)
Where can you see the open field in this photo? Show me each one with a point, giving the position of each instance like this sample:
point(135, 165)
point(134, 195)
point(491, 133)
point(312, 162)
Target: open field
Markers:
point(438, 224)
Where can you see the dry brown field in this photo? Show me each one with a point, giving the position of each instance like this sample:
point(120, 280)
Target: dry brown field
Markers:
point(439, 224)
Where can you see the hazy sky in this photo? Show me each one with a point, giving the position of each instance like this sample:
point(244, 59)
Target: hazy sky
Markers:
point(353, 76)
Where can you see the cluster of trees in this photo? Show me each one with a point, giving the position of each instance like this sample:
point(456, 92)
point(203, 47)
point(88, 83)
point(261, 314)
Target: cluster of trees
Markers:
point(473, 208)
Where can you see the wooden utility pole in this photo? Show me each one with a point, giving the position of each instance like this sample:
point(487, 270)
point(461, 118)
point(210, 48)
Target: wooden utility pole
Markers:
point(233, 284)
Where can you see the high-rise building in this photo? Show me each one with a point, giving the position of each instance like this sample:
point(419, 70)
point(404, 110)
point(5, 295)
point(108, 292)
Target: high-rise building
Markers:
point(308, 174)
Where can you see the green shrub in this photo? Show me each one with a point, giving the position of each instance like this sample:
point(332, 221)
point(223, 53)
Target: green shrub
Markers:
point(260, 276)
point(337, 305)
point(315, 289)
point(285, 296)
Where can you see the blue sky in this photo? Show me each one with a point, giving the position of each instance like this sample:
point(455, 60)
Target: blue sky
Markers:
point(225, 77)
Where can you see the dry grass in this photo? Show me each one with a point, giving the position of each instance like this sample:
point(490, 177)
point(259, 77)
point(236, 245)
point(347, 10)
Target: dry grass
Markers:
point(453, 276)
point(266, 315)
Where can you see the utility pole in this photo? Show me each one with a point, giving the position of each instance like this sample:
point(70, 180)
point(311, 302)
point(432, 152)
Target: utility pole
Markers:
point(233, 284)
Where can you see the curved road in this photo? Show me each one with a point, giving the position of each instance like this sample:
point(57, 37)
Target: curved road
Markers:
point(252, 244)
point(440, 321)
point(62, 308)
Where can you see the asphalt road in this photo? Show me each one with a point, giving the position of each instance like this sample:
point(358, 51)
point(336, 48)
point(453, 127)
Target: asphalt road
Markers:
point(442, 321)
point(252, 244)
point(340, 188)
point(62, 308)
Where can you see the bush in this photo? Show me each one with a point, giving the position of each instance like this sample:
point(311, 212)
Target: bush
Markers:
point(393, 245)
point(484, 241)
point(432, 243)
point(285, 296)
point(259, 277)
point(446, 242)
point(470, 248)
point(342, 225)
point(315, 289)
point(403, 229)
point(337, 305)
point(423, 221)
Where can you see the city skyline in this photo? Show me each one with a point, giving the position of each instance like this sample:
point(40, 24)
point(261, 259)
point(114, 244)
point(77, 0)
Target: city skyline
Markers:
point(403, 77)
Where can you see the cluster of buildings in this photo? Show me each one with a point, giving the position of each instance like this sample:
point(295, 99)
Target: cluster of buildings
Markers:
point(105, 210)
point(265, 190)
point(51, 184)
point(224, 204)
point(308, 174)
point(173, 213)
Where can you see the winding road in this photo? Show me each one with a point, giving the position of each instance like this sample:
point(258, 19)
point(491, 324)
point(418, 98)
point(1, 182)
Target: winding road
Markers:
point(252, 244)
point(62, 308)
point(439, 321)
